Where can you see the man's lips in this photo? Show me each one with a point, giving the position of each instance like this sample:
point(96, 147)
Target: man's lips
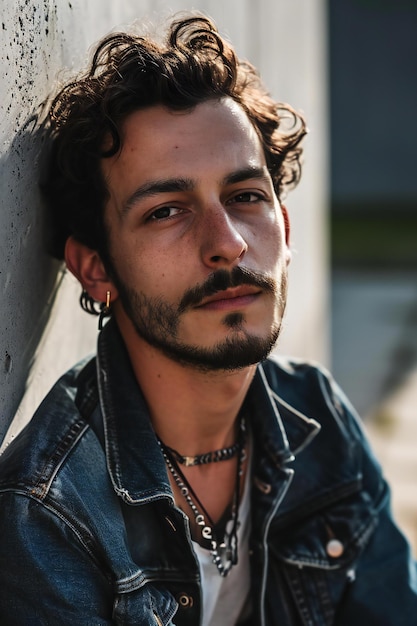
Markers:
point(231, 298)
point(228, 287)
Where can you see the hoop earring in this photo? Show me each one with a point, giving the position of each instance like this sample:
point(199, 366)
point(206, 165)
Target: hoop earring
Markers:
point(105, 310)
point(88, 304)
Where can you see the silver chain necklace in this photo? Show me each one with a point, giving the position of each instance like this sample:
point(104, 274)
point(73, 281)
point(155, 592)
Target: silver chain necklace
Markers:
point(224, 554)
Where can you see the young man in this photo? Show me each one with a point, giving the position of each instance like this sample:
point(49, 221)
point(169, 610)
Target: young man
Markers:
point(181, 477)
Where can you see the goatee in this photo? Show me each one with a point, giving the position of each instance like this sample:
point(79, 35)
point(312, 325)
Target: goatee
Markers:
point(157, 321)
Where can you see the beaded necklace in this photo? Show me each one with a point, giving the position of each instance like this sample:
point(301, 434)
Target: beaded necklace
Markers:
point(224, 553)
point(223, 454)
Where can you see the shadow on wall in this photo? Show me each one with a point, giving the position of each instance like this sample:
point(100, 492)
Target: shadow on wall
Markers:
point(27, 274)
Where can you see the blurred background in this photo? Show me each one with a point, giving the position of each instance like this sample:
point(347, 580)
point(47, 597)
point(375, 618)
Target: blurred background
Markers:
point(373, 104)
point(350, 66)
point(373, 97)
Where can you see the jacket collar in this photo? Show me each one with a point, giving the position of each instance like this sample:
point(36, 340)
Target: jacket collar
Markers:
point(135, 463)
point(283, 430)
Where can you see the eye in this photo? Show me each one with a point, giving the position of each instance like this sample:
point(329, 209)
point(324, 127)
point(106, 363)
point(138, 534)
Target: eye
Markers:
point(247, 197)
point(163, 213)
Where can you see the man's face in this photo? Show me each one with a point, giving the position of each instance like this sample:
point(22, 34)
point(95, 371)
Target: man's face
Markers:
point(196, 236)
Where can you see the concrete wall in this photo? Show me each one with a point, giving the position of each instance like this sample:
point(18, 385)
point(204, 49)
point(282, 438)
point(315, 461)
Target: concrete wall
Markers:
point(43, 329)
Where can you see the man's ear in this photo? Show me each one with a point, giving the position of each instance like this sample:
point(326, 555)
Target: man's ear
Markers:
point(287, 231)
point(88, 268)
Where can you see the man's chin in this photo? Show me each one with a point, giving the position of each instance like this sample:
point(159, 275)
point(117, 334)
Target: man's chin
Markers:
point(237, 352)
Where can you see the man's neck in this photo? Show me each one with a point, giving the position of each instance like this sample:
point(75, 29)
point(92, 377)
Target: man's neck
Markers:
point(191, 411)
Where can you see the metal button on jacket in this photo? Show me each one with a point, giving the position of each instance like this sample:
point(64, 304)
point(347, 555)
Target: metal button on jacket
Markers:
point(335, 548)
point(185, 601)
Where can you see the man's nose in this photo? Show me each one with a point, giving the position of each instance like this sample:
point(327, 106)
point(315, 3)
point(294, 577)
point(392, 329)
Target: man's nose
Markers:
point(223, 243)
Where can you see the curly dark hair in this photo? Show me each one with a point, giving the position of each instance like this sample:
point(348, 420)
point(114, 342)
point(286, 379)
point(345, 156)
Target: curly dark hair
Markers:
point(129, 72)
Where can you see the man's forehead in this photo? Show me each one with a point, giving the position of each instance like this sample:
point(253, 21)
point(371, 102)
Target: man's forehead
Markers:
point(158, 138)
point(208, 115)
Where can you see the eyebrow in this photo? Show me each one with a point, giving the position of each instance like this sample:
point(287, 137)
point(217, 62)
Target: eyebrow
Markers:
point(170, 185)
point(155, 187)
point(246, 173)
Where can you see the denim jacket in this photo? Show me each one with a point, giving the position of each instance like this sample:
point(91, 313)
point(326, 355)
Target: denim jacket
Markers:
point(90, 534)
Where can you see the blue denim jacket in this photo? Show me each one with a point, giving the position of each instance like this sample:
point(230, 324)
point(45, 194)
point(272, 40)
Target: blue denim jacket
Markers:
point(89, 533)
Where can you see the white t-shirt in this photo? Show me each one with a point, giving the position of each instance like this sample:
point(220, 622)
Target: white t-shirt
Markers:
point(224, 598)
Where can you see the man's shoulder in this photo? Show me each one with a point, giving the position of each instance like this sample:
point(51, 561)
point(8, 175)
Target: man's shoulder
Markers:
point(54, 430)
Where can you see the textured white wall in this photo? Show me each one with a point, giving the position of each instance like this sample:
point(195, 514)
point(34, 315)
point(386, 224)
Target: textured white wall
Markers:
point(286, 40)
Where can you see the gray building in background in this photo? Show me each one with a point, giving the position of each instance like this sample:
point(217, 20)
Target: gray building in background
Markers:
point(373, 101)
point(373, 78)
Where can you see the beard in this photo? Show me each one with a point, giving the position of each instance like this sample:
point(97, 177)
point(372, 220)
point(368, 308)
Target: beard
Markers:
point(157, 321)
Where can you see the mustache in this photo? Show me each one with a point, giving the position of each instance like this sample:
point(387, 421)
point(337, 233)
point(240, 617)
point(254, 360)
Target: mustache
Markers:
point(224, 279)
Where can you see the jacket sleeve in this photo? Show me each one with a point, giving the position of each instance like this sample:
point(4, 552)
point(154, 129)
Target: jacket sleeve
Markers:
point(46, 575)
point(384, 590)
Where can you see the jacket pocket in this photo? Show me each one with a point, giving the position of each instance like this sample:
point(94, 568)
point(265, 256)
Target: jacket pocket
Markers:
point(318, 555)
point(332, 538)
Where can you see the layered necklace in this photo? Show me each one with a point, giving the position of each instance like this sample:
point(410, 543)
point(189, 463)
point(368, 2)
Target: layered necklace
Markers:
point(224, 552)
